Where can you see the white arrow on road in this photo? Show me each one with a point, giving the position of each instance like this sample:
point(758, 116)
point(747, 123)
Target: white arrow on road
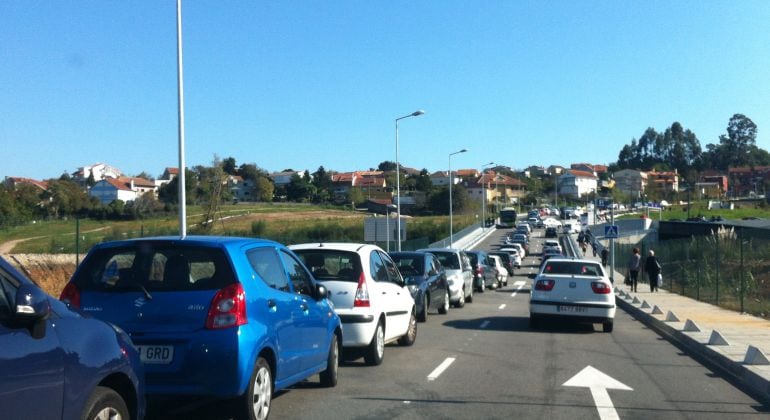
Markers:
point(599, 382)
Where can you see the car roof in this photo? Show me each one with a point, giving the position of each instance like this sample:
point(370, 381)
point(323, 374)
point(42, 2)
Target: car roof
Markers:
point(194, 240)
point(336, 246)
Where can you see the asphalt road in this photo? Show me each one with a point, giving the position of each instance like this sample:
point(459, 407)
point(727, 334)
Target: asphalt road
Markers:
point(497, 367)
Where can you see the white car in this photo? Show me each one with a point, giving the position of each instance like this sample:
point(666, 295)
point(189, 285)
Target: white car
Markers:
point(515, 255)
point(552, 243)
point(459, 273)
point(551, 222)
point(519, 247)
point(368, 293)
point(502, 272)
point(573, 290)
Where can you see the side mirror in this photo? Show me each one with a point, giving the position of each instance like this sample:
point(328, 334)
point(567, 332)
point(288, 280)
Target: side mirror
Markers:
point(31, 304)
point(321, 292)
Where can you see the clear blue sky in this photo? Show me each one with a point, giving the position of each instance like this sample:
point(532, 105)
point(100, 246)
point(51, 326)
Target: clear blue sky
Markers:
point(299, 84)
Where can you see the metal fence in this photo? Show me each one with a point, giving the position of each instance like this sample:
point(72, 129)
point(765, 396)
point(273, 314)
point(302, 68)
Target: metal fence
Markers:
point(728, 268)
point(456, 236)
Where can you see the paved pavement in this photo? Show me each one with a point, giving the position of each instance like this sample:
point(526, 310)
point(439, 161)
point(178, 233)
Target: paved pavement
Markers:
point(737, 344)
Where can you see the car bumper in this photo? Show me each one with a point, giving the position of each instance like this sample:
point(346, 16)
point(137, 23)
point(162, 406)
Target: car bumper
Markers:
point(578, 312)
point(357, 329)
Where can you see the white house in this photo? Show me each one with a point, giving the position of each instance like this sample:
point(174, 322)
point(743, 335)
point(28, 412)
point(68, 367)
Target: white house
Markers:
point(100, 171)
point(631, 182)
point(124, 188)
point(576, 183)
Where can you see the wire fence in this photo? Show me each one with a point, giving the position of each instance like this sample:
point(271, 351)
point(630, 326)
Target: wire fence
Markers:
point(728, 268)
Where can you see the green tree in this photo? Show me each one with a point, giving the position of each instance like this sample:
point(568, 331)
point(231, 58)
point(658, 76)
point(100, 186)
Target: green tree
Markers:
point(169, 192)
point(263, 189)
point(228, 165)
point(386, 166)
point(298, 189)
point(737, 148)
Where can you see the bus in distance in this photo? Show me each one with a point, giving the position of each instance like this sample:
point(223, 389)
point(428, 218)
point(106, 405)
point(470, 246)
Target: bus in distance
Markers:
point(508, 217)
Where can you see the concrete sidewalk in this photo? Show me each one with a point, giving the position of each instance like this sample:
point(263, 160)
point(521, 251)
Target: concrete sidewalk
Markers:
point(738, 344)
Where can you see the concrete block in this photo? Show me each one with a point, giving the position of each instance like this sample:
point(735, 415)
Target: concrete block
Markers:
point(754, 356)
point(645, 305)
point(670, 317)
point(691, 326)
point(656, 310)
point(636, 300)
point(717, 339)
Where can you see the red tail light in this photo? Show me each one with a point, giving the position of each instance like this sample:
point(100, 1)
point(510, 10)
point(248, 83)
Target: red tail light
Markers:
point(545, 285)
point(600, 288)
point(71, 295)
point(362, 293)
point(228, 308)
point(479, 270)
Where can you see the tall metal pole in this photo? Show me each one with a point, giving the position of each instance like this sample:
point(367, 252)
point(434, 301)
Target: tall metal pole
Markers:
point(451, 184)
point(180, 109)
point(398, 180)
point(612, 244)
point(484, 197)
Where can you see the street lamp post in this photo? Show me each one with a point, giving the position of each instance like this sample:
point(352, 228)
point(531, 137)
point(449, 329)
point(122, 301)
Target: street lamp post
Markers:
point(451, 184)
point(398, 179)
point(484, 196)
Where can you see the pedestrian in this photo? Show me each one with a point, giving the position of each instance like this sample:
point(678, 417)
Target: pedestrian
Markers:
point(593, 247)
point(605, 256)
point(652, 267)
point(583, 246)
point(634, 264)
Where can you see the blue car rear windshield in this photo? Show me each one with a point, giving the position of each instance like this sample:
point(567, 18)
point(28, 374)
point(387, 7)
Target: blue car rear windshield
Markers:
point(155, 267)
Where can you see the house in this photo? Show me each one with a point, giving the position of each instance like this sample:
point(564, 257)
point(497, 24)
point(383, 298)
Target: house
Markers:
point(748, 180)
point(99, 171)
point(124, 188)
point(584, 167)
point(577, 183)
point(667, 181)
point(441, 178)
point(284, 178)
point(556, 170)
point(168, 174)
point(631, 182)
point(495, 188)
point(712, 184)
point(240, 188)
point(12, 182)
point(371, 184)
point(467, 174)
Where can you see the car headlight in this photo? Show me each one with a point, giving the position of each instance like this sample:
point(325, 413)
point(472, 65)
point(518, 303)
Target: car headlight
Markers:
point(413, 289)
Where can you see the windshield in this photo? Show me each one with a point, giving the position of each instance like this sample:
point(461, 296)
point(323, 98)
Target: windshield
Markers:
point(578, 268)
point(448, 259)
point(331, 264)
point(409, 266)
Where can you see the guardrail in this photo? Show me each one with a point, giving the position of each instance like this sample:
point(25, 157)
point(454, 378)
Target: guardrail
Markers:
point(457, 236)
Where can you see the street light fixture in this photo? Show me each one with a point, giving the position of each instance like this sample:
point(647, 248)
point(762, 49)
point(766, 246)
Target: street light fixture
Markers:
point(451, 184)
point(484, 196)
point(398, 179)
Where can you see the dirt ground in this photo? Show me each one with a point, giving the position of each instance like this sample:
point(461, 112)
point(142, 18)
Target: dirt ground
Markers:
point(49, 271)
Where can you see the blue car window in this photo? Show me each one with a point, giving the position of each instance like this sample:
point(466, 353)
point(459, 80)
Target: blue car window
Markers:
point(6, 298)
point(300, 279)
point(267, 264)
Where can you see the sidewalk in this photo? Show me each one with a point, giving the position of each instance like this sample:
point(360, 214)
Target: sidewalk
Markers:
point(737, 344)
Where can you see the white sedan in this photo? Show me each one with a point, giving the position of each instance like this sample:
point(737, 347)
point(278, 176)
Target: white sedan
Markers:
point(573, 290)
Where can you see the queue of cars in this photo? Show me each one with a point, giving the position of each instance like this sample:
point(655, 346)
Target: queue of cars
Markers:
point(240, 318)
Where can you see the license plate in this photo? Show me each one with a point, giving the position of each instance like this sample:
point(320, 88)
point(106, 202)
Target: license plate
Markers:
point(159, 355)
point(571, 309)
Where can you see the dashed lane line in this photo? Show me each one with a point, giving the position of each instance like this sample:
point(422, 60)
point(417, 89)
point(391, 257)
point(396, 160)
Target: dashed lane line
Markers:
point(519, 285)
point(501, 307)
point(441, 368)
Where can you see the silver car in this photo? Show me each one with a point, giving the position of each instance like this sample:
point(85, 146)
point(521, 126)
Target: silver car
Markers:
point(459, 273)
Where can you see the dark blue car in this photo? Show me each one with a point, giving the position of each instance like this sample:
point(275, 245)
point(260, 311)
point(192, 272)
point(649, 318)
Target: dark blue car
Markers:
point(56, 363)
point(213, 316)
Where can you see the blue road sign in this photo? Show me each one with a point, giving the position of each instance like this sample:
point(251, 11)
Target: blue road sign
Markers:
point(611, 231)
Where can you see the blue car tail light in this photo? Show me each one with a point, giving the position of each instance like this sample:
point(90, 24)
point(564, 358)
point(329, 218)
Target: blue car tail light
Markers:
point(228, 308)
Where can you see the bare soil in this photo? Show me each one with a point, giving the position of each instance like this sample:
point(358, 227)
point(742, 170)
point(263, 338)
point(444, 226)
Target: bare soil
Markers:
point(50, 271)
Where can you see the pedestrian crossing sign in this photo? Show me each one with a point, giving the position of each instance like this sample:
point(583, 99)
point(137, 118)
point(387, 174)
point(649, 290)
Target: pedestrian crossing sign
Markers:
point(611, 231)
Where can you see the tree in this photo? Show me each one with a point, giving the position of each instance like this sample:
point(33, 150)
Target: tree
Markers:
point(263, 189)
point(298, 189)
point(423, 182)
point(738, 148)
point(386, 166)
point(169, 192)
point(228, 165)
point(438, 202)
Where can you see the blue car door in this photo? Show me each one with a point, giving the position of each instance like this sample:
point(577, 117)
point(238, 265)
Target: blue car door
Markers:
point(277, 307)
point(311, 317)
point(30, 367)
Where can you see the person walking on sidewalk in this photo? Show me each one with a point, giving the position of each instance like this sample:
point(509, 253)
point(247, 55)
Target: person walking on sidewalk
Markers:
point(652, 267)
point(634, 264)
point(605, 256)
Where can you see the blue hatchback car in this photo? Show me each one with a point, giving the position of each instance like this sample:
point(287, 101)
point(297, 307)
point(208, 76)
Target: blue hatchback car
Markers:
point(215, 316)
point(56, 363)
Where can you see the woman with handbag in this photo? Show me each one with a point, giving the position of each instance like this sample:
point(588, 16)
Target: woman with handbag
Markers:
point(652, 267)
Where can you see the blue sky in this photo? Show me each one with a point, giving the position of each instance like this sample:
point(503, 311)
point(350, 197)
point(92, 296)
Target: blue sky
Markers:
point(299, 84)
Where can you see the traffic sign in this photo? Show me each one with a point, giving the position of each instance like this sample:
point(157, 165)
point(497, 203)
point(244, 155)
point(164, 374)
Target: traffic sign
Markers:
point(611, 232)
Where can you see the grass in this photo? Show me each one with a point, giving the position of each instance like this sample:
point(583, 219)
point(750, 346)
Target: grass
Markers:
point(285, 223)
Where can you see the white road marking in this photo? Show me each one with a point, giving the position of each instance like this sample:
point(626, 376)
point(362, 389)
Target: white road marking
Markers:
point(501, 306)
point(599, 382)
point(519, 285)
point(484, 324)
point(441, 368)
